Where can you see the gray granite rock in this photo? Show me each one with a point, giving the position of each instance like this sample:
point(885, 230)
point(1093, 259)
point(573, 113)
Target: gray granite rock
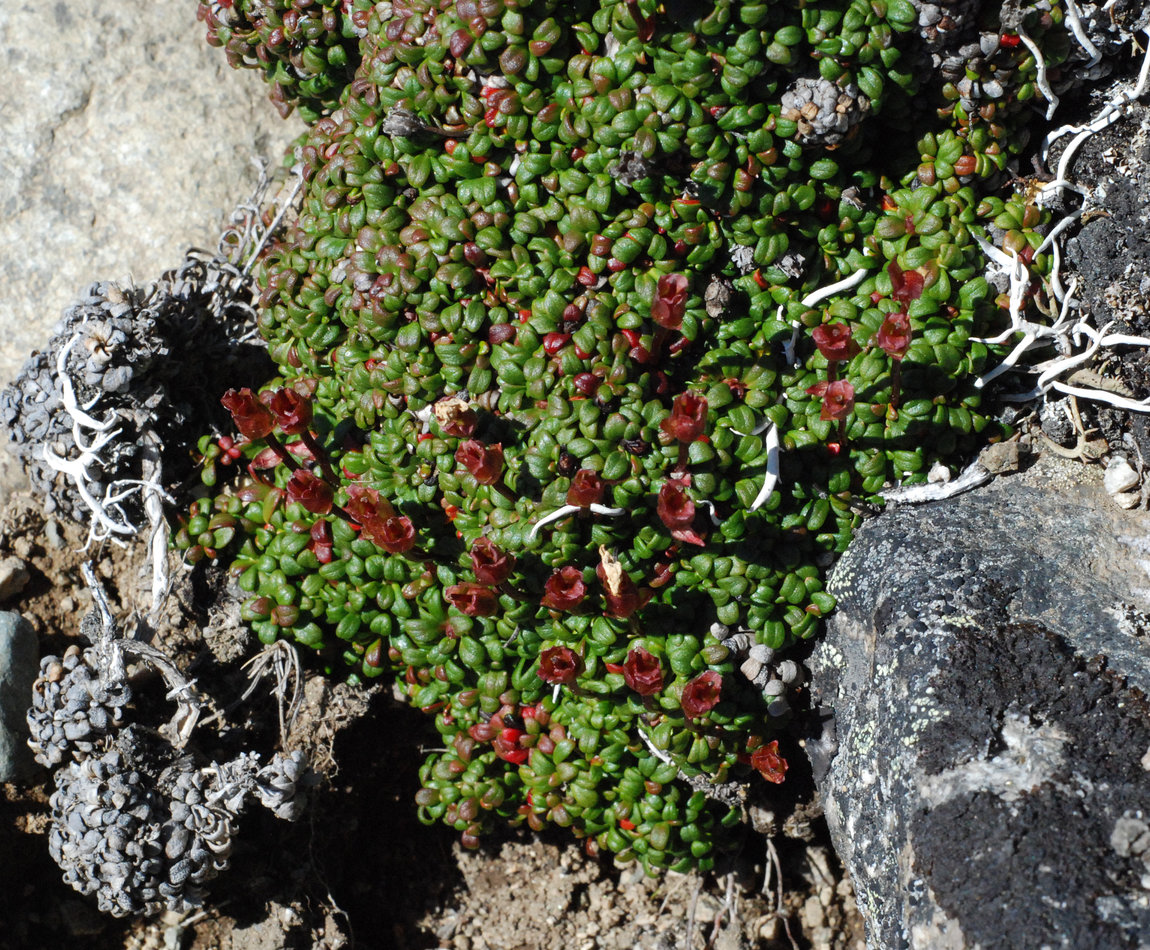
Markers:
point(19, 664)
point(985, 772)
point(124, 140)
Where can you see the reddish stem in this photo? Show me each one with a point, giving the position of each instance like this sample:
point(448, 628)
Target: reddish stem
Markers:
point(285, 456)
point(504, 491)
point(658, 341)
point(320, 456)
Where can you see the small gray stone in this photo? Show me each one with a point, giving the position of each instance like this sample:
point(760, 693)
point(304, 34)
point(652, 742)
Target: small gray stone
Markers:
point(19, 664)
point(13, 577)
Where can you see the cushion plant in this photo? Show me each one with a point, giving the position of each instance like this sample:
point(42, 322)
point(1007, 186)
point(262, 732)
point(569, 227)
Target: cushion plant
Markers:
point(597, 326)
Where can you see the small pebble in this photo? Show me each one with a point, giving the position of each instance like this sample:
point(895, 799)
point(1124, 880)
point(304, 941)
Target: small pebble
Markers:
point(812, 914)
point(771, 929)
point(52, 534)
point(13, 577)
point(1120, 477)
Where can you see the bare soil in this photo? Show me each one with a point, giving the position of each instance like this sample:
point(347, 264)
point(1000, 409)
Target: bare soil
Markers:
point(359, 870)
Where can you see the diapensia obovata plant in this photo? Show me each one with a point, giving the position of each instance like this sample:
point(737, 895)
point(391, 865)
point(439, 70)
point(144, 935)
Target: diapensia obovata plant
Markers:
point(595, 325)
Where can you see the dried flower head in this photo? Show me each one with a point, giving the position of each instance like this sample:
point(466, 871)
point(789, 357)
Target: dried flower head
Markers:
point(622, 596)
point(475, 600)
point(677, 511)
point(838, 399)
point(455, 417)
point(395, 534)
point(366, 505)
point(292, 411)
point(491, 564)
point(771, 765)
point(586, 488)
point(905, 285)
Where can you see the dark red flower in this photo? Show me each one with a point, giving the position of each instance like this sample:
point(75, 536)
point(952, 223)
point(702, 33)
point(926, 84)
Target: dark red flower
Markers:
point(643, 672)
point(622, 596)
point(701, 695)
point(559, 665)
point(310, 491)
point(677, 511)
point(838, 400)
point(395, 534)
point(475, 600)
point(492, 565)
point(894, 335)
point(905, 285)
point(292, 411)
point(455, 417)
point(564, 589)
point(770, 764)
point(366, 505)
point(688, 418)
point(586, 488)
point(670, 301)
point(835, 342)
point(485, 462)
point(253, 419)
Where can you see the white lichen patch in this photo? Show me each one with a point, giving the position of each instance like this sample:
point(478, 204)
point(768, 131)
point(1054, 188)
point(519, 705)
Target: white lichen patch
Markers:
point(1032, 755)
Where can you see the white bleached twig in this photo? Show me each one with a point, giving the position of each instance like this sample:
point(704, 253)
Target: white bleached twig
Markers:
point(1075, 19)
point(297, 171)
point(566, 510)
point(657, 753)
point(1028, 340)
point(712, 512)
point(1107, 117)
point(1041, 80)
point(772, 475)
point(1101, 395)
point(972, 476)
point(847, 283)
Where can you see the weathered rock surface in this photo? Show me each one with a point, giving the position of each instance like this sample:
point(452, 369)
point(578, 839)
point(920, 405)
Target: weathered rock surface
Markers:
point(985, 774)
point(19, 664)
point(124, 140)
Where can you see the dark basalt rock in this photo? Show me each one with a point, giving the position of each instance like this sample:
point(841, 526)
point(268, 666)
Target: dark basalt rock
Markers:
point(985, 773)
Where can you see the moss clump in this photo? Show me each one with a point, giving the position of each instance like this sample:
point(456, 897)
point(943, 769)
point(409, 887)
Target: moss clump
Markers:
point(582, 433)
